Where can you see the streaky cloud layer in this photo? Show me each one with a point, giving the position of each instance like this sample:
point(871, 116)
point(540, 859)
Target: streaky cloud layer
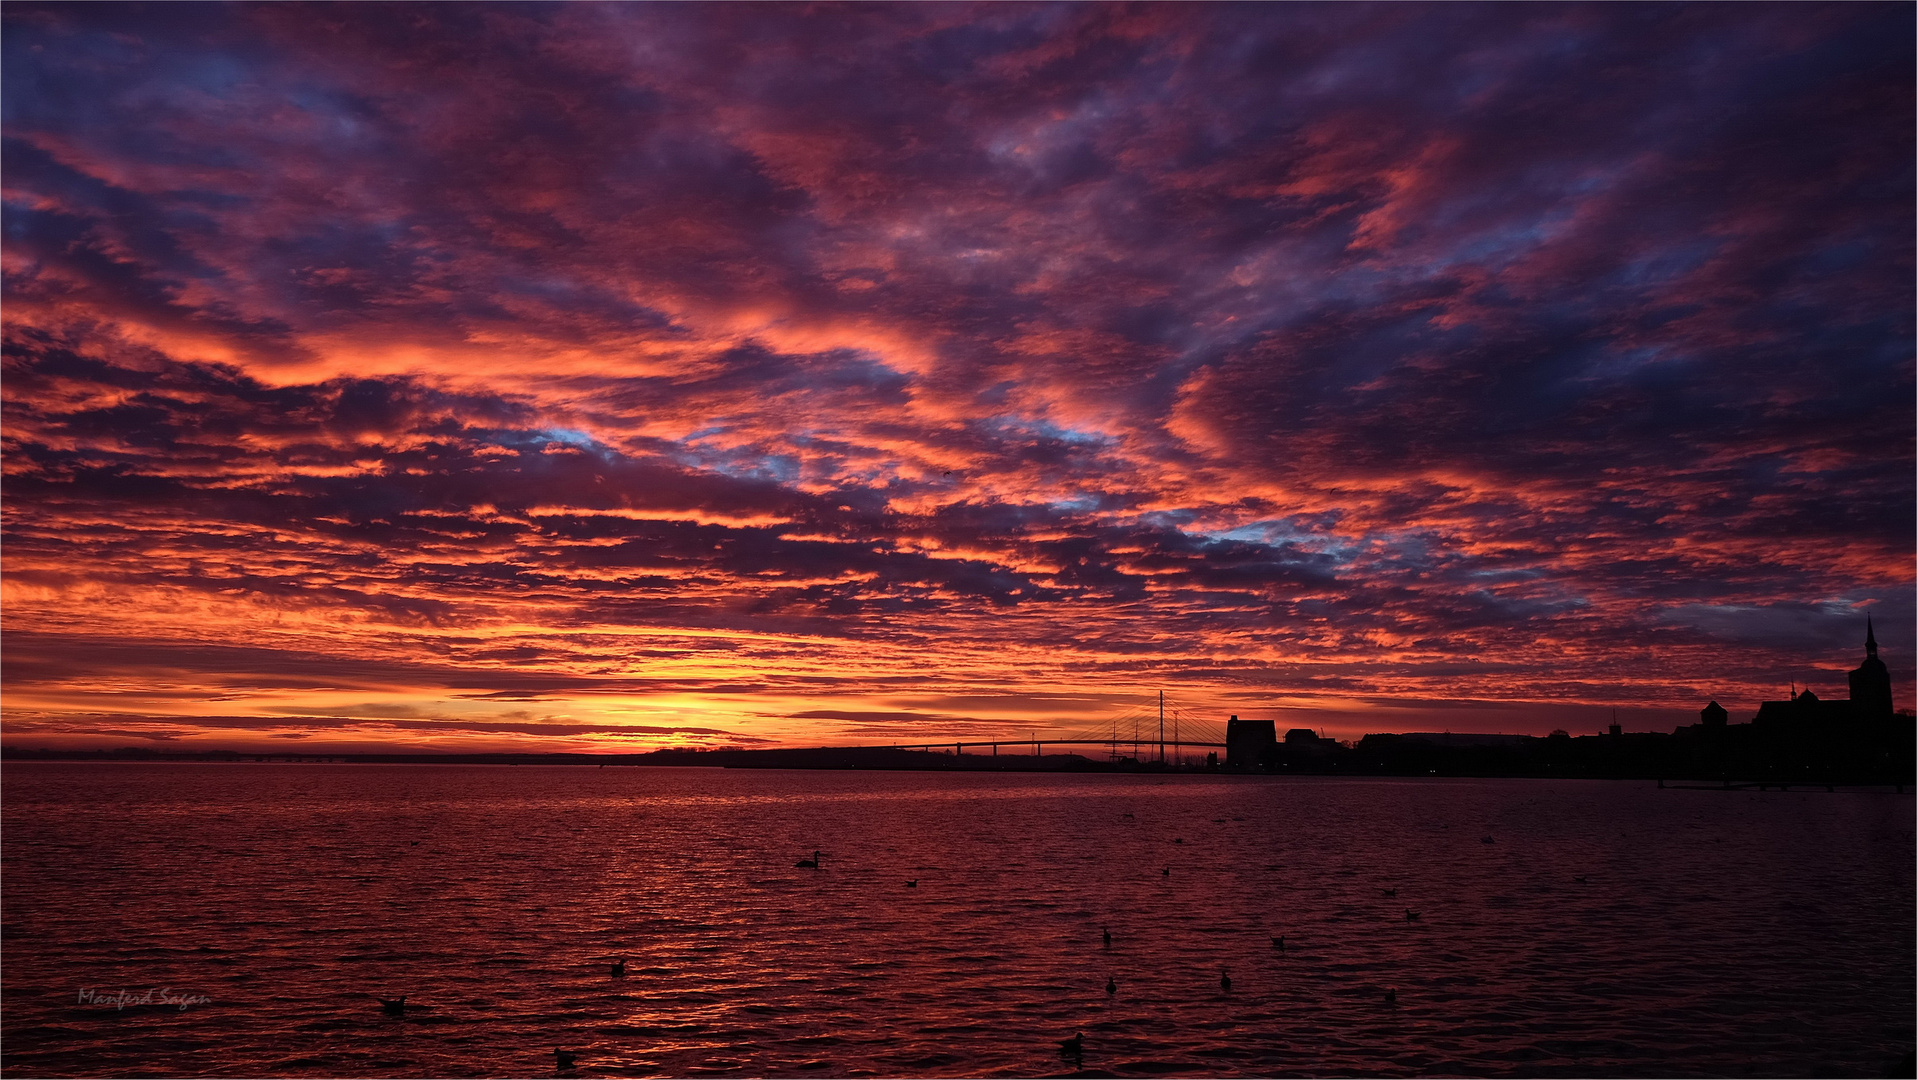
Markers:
point(603, 375)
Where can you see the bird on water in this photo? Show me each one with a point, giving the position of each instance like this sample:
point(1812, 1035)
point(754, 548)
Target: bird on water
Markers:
point(392, 1006)
point(566, 1058)
point(1391, 892)
point(810, 864)
point(1224, 980)
point(1108, 937)
point(1410, 915)
point(1278, 943)
point(1391, 997)
point(1073, 1045)
point(912, 884)
point(1111, 986)
point(1168, 871)
point(619, 968)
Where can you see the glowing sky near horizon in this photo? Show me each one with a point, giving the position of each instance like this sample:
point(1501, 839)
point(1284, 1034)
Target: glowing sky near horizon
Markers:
point(581, 376)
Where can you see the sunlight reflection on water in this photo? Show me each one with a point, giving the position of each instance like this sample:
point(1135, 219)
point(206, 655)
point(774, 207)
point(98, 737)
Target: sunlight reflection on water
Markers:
point(1715, 933)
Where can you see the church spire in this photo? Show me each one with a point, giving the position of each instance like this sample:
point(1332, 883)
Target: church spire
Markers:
point(1870, 683)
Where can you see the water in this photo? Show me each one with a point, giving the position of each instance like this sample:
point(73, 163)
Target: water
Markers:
point(1729, 934)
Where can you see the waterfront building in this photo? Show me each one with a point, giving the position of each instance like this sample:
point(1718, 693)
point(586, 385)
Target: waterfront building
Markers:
point(1869, 697)
point(1248, 743)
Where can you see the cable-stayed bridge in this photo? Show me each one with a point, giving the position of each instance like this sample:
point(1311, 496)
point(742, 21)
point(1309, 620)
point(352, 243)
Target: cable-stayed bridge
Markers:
point(1158, 730)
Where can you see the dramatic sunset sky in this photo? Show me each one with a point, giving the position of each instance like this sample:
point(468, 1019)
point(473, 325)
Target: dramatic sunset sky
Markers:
point(559, 377)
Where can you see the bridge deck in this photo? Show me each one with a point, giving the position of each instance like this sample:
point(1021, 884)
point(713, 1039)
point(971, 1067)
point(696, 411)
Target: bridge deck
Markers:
point(1031, 742)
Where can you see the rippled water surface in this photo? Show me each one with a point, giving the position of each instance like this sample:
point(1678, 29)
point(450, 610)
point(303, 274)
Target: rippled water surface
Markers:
point(1714, 933)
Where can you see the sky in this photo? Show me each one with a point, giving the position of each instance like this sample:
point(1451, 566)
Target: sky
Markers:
point(613, 376)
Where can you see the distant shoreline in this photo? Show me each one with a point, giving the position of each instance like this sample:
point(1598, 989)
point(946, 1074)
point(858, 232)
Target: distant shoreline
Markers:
point(1433, 763)
point(825, 758)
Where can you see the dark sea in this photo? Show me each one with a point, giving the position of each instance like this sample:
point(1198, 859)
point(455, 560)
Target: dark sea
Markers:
point(241, 919)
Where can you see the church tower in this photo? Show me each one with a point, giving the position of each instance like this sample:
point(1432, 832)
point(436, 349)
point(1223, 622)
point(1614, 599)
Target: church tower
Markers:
point(1870, 683)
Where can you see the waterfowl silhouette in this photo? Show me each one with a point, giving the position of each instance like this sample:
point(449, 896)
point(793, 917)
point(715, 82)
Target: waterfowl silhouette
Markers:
point(1391, 892)
point(619, 968)
point(1108, 937)
point(1488, 840)
point(1073, 1045)
point(810, 864)
point(1167, 871)
point(566, 1058)
point(1278, 943)
point(392, 1006)
point(912, 884)
point(1111, 986)
point(1579, 879)
point(1391, 997)
point(1410, 915)
point(1224, 980)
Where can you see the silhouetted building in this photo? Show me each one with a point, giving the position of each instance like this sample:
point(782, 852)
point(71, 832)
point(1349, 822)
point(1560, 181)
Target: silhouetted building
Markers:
point(1869, 696)
point(1304, 747)
point(1713, 715)
point(1870, 683)
point(1248, 742)
point(1805, 709)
